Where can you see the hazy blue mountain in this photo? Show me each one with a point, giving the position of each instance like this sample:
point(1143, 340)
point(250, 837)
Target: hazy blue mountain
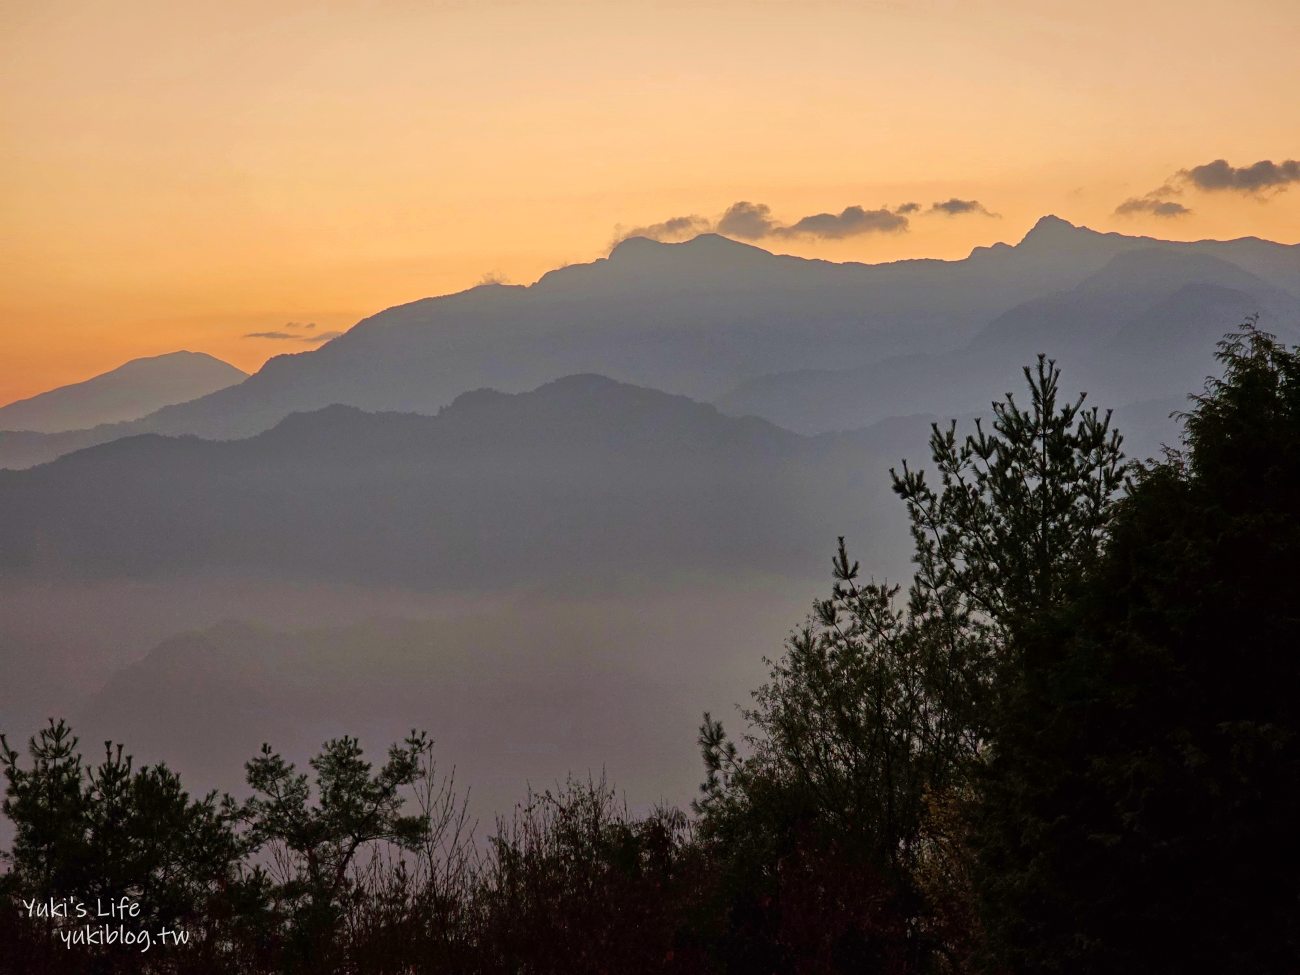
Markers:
point(586, 567)
point(1142, 327)
point(130, 391)
point(512, 695)
point(698, 318)
point(26, 448)
point(583, 478)
point(580, 570)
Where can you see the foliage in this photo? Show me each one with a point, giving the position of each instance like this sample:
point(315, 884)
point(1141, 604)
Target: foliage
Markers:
point(868, 734)
point(1021, 511)
point(110, 831)
point(574, 884)
point(313, 846)
point(1139, 811)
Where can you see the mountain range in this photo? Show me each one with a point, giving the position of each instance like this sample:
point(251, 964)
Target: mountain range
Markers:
point(583, 479)
point(1142, 327)
point(727, 322)
point(553, 523)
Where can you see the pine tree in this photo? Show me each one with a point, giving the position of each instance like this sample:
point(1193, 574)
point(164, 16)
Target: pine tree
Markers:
point(865, 744)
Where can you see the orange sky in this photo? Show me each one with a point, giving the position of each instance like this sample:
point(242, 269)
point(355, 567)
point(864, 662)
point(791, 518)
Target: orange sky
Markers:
point(177, 174)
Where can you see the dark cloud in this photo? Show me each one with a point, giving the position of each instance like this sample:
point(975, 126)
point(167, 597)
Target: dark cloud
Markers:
point(956, 208)
point(672, 229)
point(748, 221)
point(1153, 205)
point(753, 221)
point(1255, 178)
point(849, 222)
point(316, 338)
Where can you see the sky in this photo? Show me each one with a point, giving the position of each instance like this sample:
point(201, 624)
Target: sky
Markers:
point(187, 174)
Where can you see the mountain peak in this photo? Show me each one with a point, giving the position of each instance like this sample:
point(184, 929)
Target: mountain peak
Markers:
point(1049, 228)
point(1055, 238)
point(132, 390)
point(638, 261)
point(629, 246)
point(710, 246)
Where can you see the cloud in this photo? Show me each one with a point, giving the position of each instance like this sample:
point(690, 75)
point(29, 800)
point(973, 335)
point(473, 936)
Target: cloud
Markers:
point(284, 335)
point(672, 229)
point(849, 222)
point(1255, 178)
point(956, 208)
point(1153, 205)
point(753, 221)
point(748, 221)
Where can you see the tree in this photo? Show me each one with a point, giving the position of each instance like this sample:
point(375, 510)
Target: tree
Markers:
point(314, 842)
point(870, 730)
point(279, 882)
point(111, 831)
point(853, 745)
point(1020, 514)
point(1140, 807)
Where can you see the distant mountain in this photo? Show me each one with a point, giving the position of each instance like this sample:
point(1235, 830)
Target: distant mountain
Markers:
point(27, 448)
point(698, 318)
point(600, 562)
point(581, 479)
point(523, 692)
point(1142, 327)
point(130, 391)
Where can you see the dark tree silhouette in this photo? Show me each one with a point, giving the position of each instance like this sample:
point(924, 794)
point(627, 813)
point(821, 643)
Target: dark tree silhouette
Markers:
point(865, 742)
point(1139, 811)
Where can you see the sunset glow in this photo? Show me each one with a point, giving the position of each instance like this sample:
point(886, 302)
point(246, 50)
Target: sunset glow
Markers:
point(179, 175)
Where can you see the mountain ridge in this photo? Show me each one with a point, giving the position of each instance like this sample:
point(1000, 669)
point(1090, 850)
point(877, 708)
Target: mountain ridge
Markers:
point(1090, 329)
point(699, 318)
point(561, 480)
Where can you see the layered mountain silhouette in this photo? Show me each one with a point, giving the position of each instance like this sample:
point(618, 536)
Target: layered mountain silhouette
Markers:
point(1142, 327)
point(619, 485)
point(583, 478)
point(716, 320)
point(132, 390)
